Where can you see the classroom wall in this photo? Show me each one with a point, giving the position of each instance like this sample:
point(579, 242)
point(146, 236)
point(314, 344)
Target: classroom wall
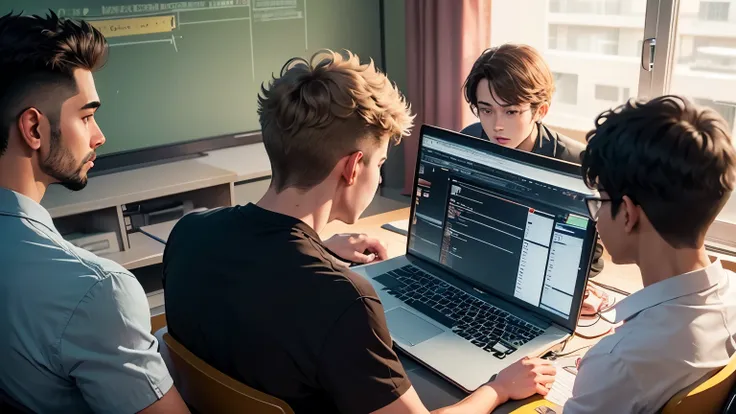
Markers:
point(395, 51)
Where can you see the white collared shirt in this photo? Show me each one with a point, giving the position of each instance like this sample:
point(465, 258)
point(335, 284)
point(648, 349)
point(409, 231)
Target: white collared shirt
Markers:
point(674, 332)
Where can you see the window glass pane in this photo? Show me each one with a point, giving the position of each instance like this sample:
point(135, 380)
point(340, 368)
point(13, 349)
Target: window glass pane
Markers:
point(607, 93)
point(567, 88)
point(705, 62)
point(713, 10)
point(586, 43)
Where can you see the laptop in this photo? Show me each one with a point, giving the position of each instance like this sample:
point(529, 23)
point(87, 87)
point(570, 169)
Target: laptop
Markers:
point(499, 248)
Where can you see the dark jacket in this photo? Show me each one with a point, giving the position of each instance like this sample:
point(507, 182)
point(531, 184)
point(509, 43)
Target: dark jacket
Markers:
point(549, 143)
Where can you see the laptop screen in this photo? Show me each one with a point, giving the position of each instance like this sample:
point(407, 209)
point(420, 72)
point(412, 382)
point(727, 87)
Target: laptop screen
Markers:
point(506, 221)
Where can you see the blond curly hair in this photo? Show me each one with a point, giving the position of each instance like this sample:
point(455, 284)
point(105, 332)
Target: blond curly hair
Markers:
point(320, 110)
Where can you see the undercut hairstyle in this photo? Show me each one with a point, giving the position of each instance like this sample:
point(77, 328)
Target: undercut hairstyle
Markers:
point(673, 159)
point(322, 109)
point(517, 74)
point(38, 57)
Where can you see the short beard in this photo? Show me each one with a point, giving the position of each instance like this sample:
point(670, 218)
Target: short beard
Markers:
point(61, 165)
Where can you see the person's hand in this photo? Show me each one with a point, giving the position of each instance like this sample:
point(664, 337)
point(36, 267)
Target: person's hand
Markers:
point(524, 378)
point(357, 248)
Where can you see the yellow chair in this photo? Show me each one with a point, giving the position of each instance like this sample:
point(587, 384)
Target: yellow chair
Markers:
point(209, 391)
point(728, 264)
point(707, 396)
point(710, 394)
point(158, 322)
point(532, 404)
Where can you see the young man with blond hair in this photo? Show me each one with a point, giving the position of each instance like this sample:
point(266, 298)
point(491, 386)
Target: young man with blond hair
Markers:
point(255, 291)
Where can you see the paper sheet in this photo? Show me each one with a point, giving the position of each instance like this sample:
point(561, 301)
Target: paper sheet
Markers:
point(562, 387)
point(398, 226)
point(135, 25)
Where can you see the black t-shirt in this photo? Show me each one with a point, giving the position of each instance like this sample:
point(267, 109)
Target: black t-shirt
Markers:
point(257, 295)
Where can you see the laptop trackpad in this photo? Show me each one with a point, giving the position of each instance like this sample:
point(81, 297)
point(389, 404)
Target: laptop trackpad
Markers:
point(409, 327)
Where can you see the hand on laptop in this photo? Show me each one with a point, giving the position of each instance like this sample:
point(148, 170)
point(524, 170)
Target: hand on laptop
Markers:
point(524, 378)
point(357, 248)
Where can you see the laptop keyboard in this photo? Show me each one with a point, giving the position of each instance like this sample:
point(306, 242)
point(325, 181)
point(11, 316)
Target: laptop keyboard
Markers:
point(484, 325)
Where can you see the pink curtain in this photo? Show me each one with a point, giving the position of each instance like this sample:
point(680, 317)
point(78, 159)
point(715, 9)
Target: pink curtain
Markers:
point(443, 39)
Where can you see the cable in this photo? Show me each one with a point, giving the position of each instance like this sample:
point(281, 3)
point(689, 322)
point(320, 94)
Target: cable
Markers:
point(564, 354)
point(576, 333)
point(158, 239)
point(606, 320)
point(609, 287)
point(598, 318)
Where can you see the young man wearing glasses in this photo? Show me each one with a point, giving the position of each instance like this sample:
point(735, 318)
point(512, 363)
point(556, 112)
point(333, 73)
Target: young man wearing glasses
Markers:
point(664, 170)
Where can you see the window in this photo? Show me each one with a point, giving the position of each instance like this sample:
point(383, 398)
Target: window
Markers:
point(713, 11)
point(607, 93)
point(593, 40)
point(597, 59)
point(586, 6)
point(555, 6)
point(567, 88)
point(726, 109)
point(614, 94)
point(552, 38)
point(704, 69)
point(583, 45)
point(707, 53)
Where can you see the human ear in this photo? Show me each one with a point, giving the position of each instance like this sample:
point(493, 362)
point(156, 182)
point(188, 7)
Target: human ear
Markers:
point(631, 213)
point(350, 170)
point(28, 124)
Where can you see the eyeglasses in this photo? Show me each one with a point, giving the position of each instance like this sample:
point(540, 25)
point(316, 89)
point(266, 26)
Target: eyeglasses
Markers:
point(594, 205)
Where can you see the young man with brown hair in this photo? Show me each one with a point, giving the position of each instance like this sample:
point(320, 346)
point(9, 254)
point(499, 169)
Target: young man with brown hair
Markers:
point(510, 89)
point(74, 328)
point(664, 170)
point(256, 293)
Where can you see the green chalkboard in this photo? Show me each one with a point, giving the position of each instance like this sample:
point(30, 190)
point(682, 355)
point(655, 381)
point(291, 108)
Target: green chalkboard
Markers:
point(181, 71)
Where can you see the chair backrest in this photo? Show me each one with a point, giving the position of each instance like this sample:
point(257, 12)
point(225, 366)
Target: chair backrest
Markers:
point(707, 396)
point(208, 390)
point(729, 264)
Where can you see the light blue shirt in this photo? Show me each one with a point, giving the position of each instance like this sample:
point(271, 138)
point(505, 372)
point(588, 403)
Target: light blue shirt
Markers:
point(75, 329)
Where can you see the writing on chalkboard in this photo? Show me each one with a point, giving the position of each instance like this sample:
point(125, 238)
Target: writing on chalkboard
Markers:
point(135, 25)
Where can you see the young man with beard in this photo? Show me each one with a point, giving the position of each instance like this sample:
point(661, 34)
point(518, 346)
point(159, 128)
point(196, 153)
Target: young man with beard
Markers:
point(75, 328)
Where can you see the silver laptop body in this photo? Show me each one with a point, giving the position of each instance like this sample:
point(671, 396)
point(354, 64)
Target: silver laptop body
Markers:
point(498, 254)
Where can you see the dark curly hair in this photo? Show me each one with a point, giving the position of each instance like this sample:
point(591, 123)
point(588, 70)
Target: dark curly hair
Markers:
point(38, 57)
point(673, 159)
